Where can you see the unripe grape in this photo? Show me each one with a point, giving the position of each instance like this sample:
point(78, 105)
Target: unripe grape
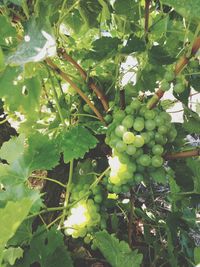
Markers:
point(138, 124)
point(145, 160)
point(157, 161)
point(157, 150)
point(128, 121)
point(139, 141)
point(128, 138)
point(120, 130)
point(150, 125)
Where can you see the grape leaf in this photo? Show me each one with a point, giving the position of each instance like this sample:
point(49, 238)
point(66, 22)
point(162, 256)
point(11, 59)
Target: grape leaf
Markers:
point(126, 8)
point(189, 9)
point(117, 253)
point(103, 48)
point(197, 255)
point(48, 249)
point(12, 149)
point(194, 165)
point(38, 44)
point(11, 254)
point(20, 95)
point(42, 152)
point(105, 15)
point(6, 32)
point(134, 44)
point(76, 142)
point(191, 121)
point(11, 220)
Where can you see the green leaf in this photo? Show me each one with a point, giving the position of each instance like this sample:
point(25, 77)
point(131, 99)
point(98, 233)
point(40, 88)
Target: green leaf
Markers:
point(11, 254)
point(134, 44)
point(197, 255)
point(48, 249)
point(191, 121)
point(103, 48)
point(20, 95)
point(42, 152)
point(12, 149)
point(189, 9)
point(11, 217)
point(117, 253)
point(7, 32)
point(76, 142)
point(194, 165)
point(38, 44)
point(159, 55)
point(126, 8)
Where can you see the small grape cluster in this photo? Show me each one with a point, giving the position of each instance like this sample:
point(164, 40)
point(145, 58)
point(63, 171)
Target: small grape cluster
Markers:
point(137, 137)
point(178, 82)
point(83, 218)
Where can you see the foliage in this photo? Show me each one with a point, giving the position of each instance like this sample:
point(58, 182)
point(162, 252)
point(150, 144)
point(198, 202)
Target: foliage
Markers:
point(101, 146)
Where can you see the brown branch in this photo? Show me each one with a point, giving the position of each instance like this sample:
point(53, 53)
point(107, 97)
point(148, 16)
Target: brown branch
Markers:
point(183, 154)
point(75, 87)
point(83, 74)
point(180, 65)
point(122, 99)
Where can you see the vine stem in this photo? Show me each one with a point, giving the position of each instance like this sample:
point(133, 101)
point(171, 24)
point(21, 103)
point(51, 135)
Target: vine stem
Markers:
point(180, 65)
point(56, 98)
point(84, 75)
point(130, 222)
point(183, 154)
point(75, 87)
point(146, 23)
point(68, 189)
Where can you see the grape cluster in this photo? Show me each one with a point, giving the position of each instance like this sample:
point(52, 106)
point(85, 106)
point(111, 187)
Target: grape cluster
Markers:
point(178, 82)
point(83, 217)
point(138, 137)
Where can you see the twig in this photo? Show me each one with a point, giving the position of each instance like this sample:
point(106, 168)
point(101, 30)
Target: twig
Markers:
point(83, 74)
point(178, 68)
point(122, 99)
point(183, 154)
point(75, 87)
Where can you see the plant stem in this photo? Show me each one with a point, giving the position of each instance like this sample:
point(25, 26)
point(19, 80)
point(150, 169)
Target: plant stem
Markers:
point(183, 154)
point(3, 121)
point(84, 75)
point(51, 209)
point(56, 98)
point(75, 87)
point(146, 24)
point(122, 99)
point(68, 189)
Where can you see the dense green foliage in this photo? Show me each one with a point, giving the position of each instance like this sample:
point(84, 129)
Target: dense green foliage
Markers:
point(131, 186)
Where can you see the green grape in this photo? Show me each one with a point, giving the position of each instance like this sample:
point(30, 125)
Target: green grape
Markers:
point(151, 144)
point(143, 110)
point(166, 116)
point(128, 138)
point(119, 115)
point(131, 150)
point(162, 129)
point(117, 189)
point(165, 86)
point(179, 88)
point(151, 134)
point(140, 168)
point(150, 114)
point(146, 137)
point(157, 161)
point(157, 150)
point(145, 160)
point(108, 118)
point(129, 110)
point(125, 188)
point(120, 130)
point(138, 153)
point(159, 121)
point(169, 76)
point(150, 125)
point(135, 104)
point(139, 141)
point(128, 121)
point(98, 198)
point(138, 124)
